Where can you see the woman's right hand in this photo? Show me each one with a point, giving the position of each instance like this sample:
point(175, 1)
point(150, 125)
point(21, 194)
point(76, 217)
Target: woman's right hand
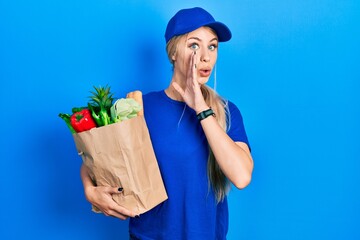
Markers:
point(101, 197)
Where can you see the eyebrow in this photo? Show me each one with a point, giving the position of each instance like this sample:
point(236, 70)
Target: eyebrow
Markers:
point(196, 38)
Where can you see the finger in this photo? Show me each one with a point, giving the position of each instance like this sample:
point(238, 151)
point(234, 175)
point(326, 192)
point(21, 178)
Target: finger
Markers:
point(190, 72)
point(194, 67)
point(113, 190)
point(116, 210)
point(194, 62)
point(121, 211)
point(117, 190)
point(111, 213)
point(117, 215)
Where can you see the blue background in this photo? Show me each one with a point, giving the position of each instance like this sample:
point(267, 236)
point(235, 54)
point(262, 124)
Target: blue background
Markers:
point(292, 68)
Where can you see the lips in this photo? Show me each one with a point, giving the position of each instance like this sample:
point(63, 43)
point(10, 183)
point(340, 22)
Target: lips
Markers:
point(204, 72)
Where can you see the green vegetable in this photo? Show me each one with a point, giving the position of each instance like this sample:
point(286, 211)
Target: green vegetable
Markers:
point(102, 100)
point(124, 108)
point(66, 118)
point(77, 109)
point(94, 114)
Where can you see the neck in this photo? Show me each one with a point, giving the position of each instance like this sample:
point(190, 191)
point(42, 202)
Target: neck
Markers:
point(173, 94)
point(171, 91)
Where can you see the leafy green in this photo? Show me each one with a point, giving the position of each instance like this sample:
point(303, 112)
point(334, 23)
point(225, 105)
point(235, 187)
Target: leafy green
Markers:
point(124, 108)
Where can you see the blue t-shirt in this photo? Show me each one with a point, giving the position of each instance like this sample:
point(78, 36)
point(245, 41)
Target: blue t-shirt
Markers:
point(181, 149)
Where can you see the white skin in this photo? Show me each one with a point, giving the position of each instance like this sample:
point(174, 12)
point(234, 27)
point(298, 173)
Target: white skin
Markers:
point(234, 158)
point(194, 60)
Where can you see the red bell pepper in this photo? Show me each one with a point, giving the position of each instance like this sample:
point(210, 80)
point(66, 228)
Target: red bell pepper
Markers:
point(82, 121)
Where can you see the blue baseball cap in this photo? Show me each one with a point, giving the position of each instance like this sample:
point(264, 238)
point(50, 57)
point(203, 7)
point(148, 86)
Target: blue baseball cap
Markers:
point(188, 20)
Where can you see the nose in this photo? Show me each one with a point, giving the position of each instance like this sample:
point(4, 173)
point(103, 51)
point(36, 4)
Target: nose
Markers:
point(205, 56)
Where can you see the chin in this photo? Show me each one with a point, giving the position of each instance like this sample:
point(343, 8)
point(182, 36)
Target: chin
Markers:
point(203, 80)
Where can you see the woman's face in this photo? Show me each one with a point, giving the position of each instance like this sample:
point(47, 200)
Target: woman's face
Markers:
point(205, 42)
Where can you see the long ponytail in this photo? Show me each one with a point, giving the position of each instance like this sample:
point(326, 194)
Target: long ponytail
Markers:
point(218, 180)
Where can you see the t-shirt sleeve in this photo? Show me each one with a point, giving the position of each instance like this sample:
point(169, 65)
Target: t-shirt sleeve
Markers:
point(236, 128)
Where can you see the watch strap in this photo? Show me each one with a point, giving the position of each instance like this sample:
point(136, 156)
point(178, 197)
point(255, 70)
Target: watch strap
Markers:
point(204, 114)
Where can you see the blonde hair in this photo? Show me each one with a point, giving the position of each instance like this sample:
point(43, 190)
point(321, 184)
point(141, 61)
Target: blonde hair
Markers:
point(217, 180)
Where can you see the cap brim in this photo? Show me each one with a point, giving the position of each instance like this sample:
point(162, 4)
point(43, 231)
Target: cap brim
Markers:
point(222, 31)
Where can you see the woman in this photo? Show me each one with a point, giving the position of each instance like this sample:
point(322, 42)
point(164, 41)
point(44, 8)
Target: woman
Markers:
point(198, 138)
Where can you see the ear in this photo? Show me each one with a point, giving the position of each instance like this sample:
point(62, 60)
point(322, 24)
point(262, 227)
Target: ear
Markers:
point(173, 57)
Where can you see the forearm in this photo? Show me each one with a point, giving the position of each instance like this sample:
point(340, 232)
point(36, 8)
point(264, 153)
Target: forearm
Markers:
point(233, 158)
point(85, 177)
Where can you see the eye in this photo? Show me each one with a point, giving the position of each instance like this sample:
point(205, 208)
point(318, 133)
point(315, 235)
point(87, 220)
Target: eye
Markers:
point(212, 47)
point(194, 46)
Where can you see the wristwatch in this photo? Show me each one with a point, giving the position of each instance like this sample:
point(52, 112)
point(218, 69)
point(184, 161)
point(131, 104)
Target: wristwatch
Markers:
point(204, 114)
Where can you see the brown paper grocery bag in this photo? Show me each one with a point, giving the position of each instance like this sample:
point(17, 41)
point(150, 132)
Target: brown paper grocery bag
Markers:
point(121, 155)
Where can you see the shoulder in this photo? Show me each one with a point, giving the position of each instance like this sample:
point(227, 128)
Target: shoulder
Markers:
point(151, 94)
point(235, 124)
point(152, 97)
point(232, 110)
point(153, 102)
point(231, 105)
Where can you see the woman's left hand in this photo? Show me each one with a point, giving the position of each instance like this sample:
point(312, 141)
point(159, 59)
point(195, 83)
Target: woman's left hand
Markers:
point(192, 94)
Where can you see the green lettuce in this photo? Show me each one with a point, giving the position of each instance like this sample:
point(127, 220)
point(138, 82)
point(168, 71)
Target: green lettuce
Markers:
point(123, 109)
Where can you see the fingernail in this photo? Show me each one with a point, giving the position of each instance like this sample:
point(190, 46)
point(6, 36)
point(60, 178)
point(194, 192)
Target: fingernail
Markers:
point(120, 189)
